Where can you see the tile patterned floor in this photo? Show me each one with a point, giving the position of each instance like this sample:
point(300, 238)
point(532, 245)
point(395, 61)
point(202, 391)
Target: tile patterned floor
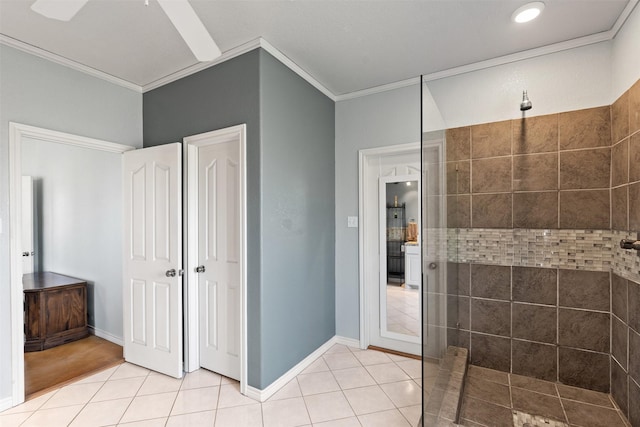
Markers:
point(403, 310)
point(491, 398)
point(344, 387)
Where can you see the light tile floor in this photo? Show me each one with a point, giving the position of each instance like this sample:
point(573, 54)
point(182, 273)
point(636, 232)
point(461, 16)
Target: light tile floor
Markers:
point(403, 310)
point(344, 387)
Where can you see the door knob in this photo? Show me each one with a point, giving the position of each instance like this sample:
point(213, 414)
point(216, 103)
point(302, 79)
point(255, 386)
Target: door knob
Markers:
point(25, 253)
point(171, 273)
point(200, 269)
point(433, 266)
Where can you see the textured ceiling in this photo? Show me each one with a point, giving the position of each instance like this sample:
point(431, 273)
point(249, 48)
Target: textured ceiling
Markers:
point(345, 45)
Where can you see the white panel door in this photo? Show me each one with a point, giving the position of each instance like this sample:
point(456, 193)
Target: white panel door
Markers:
point(27, 225)
point(153, 258)
point(219, 255)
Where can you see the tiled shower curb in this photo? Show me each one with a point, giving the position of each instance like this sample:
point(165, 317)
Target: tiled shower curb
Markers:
point(442, 407)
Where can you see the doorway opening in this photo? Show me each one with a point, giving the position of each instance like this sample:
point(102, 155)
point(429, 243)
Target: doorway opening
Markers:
point(390, 247)
point(216, 245)
point(60, 246)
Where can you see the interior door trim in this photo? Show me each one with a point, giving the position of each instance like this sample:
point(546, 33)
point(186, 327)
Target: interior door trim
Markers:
point(17, 133)
point(364, 156)
point(191, 315)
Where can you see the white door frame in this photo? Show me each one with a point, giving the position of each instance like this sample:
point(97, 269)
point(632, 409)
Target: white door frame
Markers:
point(18, 132)
point(191, 145)
point(363, 157)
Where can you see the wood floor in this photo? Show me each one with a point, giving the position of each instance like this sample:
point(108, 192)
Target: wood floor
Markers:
point(47, 369)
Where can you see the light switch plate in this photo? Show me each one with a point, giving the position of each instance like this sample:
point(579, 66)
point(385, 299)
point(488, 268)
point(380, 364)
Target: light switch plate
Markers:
point(352, 221)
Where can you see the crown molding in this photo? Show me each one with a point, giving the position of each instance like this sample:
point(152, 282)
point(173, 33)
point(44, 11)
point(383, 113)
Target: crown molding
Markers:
point(296, 69)
point(482, 65)
point(235, 52)
point(623, 17)
point(521, 56)
point(264, 44)
point(226, 56)
point(61, 60)
point(506, 59)
point(379, 89)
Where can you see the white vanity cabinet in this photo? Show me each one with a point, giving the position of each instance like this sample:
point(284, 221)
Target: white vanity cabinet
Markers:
point(412, 270)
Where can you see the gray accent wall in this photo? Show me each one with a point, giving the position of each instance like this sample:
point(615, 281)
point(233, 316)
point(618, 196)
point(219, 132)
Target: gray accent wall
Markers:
point(37, 92)
point(290, 181)
point(298, 199)
point(218, 97)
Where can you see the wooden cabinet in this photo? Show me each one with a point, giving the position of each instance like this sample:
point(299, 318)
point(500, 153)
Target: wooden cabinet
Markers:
point(55, 310)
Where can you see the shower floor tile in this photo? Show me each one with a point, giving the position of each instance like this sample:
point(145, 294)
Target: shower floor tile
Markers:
point(532, 402)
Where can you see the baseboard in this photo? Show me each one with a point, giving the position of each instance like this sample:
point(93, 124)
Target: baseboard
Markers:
point(351, 342)
point(274, 387)
point(6, 403)
point(106, 335)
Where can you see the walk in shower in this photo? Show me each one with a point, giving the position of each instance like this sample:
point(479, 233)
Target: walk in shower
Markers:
point(524, 277)
point(444, 364)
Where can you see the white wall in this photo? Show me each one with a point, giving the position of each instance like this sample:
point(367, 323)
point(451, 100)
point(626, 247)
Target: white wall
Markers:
point(378, 120)
point(79, 193)
point(626, 55)
point(37, 92)
point(563, 81)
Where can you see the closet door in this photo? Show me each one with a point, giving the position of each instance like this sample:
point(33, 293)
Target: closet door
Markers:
point(153, 258)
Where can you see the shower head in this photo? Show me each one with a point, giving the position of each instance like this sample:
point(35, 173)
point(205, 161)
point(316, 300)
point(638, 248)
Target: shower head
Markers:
point(525, 104)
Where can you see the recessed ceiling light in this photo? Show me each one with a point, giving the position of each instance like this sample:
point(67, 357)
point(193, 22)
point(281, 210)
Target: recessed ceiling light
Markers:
point(528, 12)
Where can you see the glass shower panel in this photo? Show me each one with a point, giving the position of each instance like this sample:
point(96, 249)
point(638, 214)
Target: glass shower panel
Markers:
point(443, 362)
point(434, 246)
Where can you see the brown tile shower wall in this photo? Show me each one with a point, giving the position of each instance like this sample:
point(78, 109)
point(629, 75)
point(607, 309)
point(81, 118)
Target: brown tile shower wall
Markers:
point(625, 346)
point(542, 172)
point(625, 301)
point(625, 160)
point(551, 324)
point(578, 170)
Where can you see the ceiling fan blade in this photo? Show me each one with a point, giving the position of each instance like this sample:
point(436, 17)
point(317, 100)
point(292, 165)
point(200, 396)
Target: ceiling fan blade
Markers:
point(192, 30)
point(62, 10)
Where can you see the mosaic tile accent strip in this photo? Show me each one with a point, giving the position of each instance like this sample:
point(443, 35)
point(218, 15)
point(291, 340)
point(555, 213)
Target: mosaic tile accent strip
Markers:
point(593, 250)
point(522, 419)
point(626, 263)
